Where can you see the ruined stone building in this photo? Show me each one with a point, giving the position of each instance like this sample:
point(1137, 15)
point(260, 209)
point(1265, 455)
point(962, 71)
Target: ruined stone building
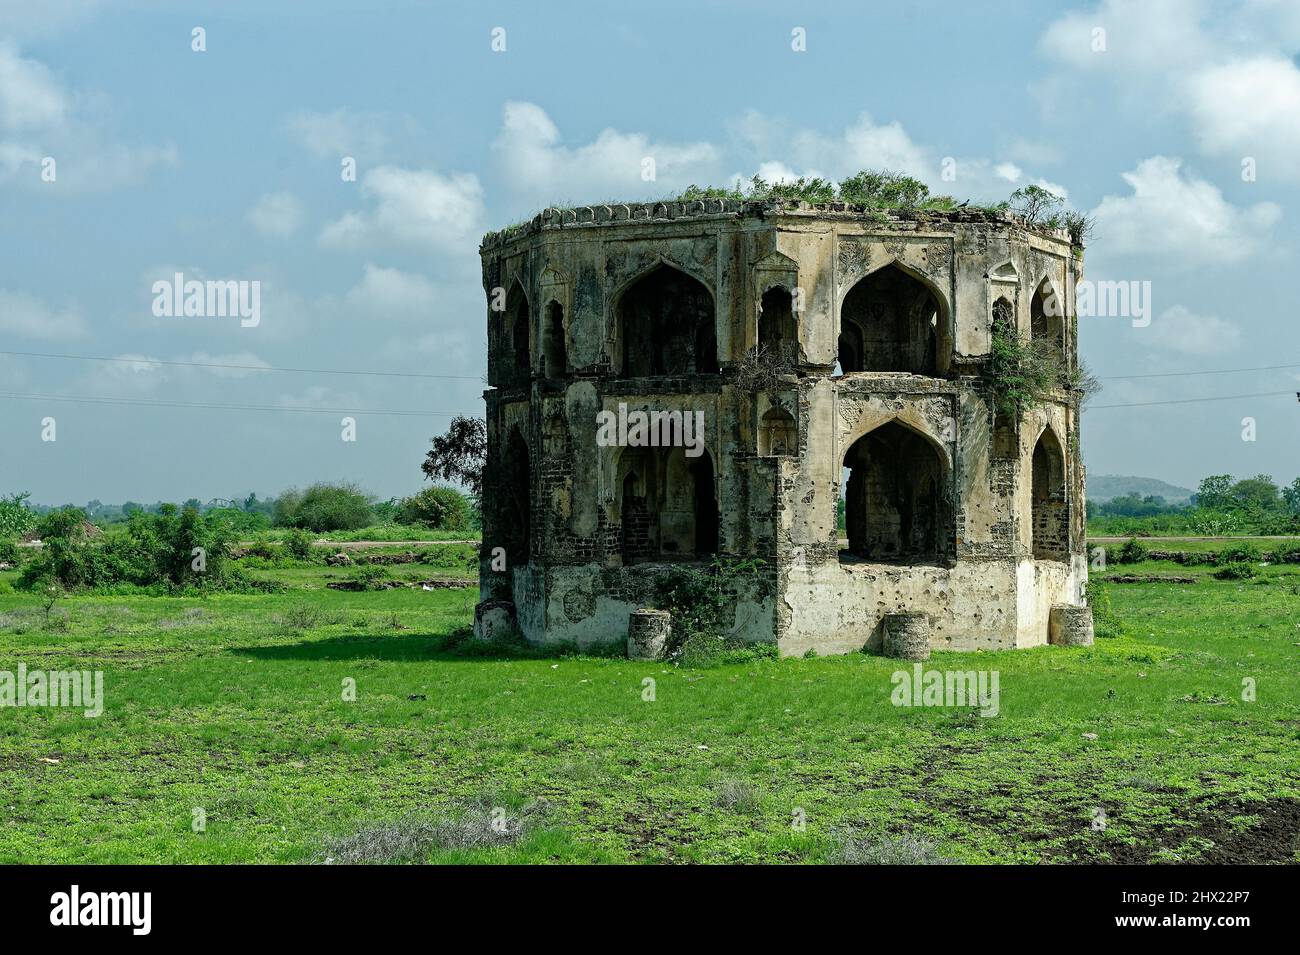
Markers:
point(833, 352)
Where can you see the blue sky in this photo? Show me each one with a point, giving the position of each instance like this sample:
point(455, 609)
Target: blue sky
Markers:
point(225, 164)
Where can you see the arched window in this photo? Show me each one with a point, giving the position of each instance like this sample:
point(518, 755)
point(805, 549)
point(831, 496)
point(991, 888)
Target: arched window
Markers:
point(668, 506)
point(554, 347)
point(521, 339)
point(776, 328)
point(895, 506)
point(1047, 318)
point(777, 434)
point(1050, 509)
point(1005, 440)
point(667, 323)
point(518, 499)
point(890, 321)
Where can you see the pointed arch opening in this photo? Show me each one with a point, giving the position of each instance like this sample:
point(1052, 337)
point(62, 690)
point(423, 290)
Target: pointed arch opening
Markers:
point(777, 335)
point(1005, 442)
point(777, 433)
point(891, 321)
point(1049, 506)
point(519, 321)
point(667, 325)
point(1047, 319)
point(518, 499)
point(896, 507)
point(554, 347)
point(668, 505)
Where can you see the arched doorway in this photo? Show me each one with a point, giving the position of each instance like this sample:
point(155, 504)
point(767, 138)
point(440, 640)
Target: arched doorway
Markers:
point(895, 502)
point(1049, 507)
point(892, 321)
point(518, 499)
point(667, 325)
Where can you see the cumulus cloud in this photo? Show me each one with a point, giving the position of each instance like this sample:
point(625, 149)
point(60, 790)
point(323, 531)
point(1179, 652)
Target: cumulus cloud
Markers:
point(26, 316)
point(339, 133)
point(1170, 212)
point(30, 95)
point(539, 168)
point(40, 117)
point(391, 293)
point(1250, 108)
point(1181, 330)
point(276, 214)
point(412, 207)
point(1227, 70)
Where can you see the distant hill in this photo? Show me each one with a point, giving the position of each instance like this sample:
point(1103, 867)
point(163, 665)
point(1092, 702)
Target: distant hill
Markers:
point(1102, 487)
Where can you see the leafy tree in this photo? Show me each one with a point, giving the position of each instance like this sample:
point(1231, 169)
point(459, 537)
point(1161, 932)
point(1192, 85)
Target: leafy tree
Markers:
point(1037, 206)
point(1259, 491)
point(1291, 497)
point(16, 518)
point(1215, 492)
point(459, 455)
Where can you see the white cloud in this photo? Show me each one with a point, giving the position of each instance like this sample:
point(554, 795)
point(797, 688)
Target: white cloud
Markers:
point(1250, 108)
point(413, 207)
point(39, 118)
point(339, 133)
point(26, 316)
point(1171, 213)
point(392, 293)
point(539, 168)
point(276, 214)
point(1227, 70)
point(1182, 330)
point(30, 96)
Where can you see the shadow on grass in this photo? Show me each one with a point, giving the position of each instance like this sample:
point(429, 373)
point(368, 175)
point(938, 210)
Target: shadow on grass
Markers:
point(407, 647)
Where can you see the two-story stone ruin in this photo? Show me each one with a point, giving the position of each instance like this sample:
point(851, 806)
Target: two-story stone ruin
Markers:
point(836, 354)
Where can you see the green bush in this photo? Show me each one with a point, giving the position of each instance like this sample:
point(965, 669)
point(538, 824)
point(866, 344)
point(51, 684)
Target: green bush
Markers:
point(371, 577)
point(1238, 570)
point(1132, 552)
point(324, 507)
point(1236, 554)
point(173, 549)
point(440, 508)
point(10, 553)
point(298, 543)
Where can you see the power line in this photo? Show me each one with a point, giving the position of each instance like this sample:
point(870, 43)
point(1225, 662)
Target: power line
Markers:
point(1188, 401)
point(1180, 374)
point(159, 403)
point(215, 364)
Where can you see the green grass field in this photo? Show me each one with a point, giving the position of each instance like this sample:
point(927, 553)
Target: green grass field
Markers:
point(1138, 749)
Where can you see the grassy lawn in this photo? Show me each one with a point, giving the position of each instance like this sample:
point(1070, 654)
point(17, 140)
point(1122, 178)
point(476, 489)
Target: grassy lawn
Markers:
point(233, 704)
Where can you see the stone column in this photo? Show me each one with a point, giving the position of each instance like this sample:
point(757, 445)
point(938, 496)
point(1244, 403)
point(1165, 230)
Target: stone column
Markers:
point(647, 634)
point(907, 636)
point(1070, 626)
point(494, 619)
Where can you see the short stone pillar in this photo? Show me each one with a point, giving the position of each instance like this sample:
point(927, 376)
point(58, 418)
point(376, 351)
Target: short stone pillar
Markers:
point(647, 634)
point(907, 636)
point(1069, 626)
point(494, 619)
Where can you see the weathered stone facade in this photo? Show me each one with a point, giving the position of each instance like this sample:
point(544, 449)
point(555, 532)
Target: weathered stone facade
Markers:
point(878, 329)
